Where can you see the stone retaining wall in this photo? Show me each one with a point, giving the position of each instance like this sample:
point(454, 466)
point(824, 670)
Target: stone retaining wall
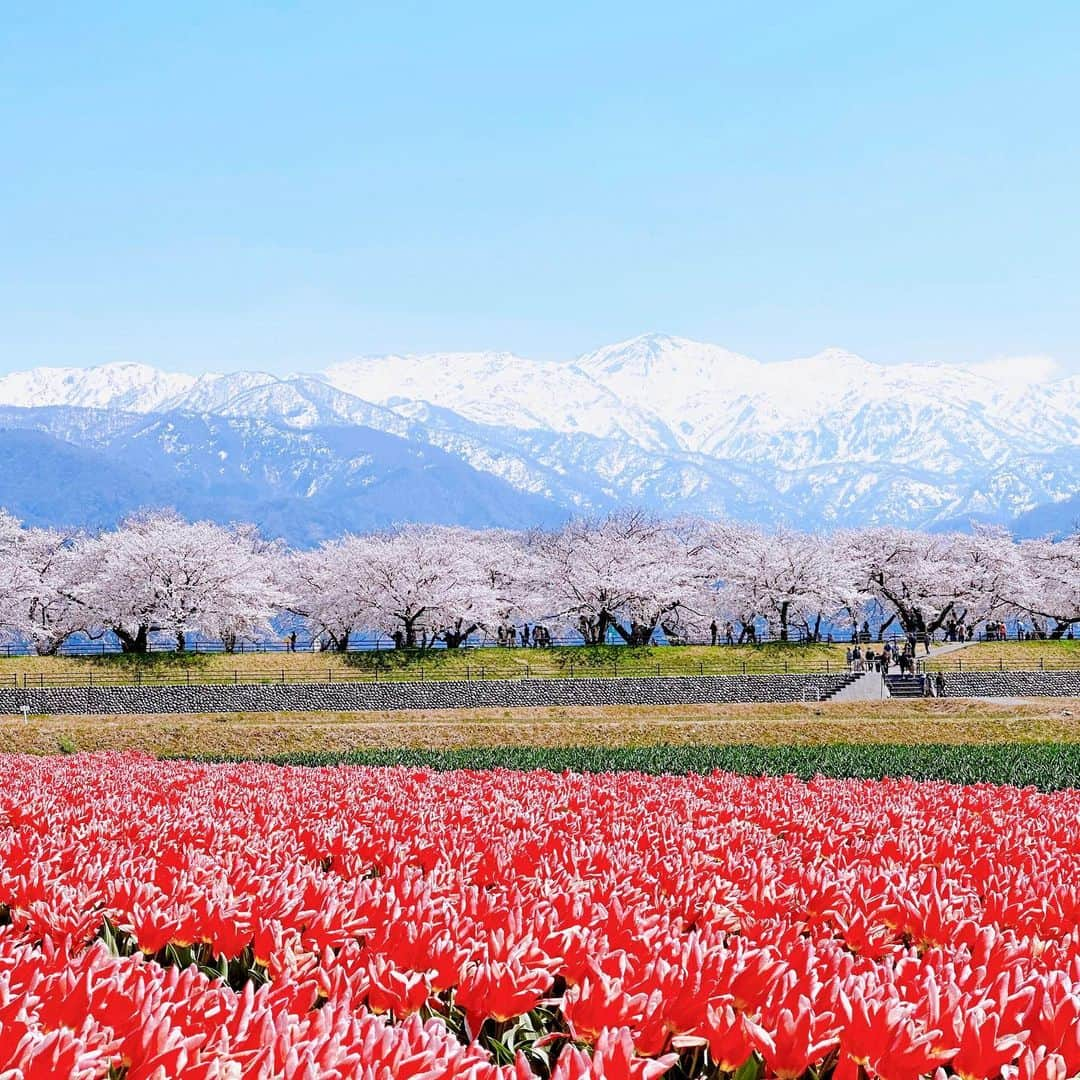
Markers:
point(359, 697)
point(1012, 684)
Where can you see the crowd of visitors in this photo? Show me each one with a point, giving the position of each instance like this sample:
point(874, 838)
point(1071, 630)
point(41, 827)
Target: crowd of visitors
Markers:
point(537, 636)
point(957, 631)
point(888, 656)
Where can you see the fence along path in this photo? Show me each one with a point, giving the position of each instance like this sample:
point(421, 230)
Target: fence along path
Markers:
point(420, 671)
point(476, 670)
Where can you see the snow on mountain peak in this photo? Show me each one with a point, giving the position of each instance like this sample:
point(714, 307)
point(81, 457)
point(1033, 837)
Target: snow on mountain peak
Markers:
point(137, 387)
point(495, 388)
point(662, 420)
point(658, 355)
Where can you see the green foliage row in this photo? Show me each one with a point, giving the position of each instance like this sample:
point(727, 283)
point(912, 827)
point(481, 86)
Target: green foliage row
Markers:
point(1048, 766)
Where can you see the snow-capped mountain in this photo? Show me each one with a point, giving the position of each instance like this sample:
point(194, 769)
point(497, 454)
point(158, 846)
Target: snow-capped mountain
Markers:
point(660, 421)
point(112, 386)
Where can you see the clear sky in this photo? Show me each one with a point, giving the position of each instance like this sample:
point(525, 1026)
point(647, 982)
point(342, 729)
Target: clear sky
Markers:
point(215, 185)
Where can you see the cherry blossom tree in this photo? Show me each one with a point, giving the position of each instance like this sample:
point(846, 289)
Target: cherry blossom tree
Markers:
point(916, 578)
point(159, 573)
point(789, 577)
point(55, 605)
point(1049, 584)
point(627, 573)
point(330, 591)
point(15, 579)
point(510, 584)
point(42, 576)
point(987, 574)
point(427, 584)
point(419, 584)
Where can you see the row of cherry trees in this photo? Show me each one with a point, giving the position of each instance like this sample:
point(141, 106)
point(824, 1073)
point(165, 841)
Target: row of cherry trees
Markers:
point(628, 574)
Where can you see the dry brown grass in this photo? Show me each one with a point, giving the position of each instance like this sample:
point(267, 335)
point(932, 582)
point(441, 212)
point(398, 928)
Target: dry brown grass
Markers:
point(262, 734)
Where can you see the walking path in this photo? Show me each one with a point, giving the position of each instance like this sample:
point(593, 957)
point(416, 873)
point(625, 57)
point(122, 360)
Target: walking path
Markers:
point(947, 647)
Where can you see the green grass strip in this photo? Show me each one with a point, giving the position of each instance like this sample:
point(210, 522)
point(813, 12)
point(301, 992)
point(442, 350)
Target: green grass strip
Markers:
point(1048, 766)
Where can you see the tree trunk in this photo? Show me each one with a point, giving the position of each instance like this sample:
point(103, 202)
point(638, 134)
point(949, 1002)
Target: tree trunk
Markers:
point(133, 643)
point(455, 637)
point(639, 635)
point(939, 622)
point(181, 641)
point(784, 608)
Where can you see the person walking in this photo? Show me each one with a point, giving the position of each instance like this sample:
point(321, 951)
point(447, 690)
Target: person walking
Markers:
point(939, 684)
point(729, 632)
point(713, 629)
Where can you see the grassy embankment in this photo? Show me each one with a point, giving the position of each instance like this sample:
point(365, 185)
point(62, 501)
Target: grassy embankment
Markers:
point(1012, 655)
point(169, 667)
point(415, 664)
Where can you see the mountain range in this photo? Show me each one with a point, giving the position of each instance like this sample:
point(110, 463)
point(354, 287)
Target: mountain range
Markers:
point(497, 439)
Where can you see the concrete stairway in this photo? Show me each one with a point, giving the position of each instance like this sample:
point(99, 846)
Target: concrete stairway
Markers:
point(831, 694)
point(837, 684)
point(861, 686)
point(905, 686)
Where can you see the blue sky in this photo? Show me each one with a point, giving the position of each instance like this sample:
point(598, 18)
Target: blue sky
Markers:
point(214, 186)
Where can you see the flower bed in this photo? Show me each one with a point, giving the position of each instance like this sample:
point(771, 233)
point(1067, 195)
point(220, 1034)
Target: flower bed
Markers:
point(167, 920)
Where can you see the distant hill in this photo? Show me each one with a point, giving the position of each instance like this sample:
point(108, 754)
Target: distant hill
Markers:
point(493, 438)
point(1055, 519)
point(304, 486)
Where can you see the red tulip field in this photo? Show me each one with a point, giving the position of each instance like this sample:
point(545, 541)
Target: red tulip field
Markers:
point(168, 919)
